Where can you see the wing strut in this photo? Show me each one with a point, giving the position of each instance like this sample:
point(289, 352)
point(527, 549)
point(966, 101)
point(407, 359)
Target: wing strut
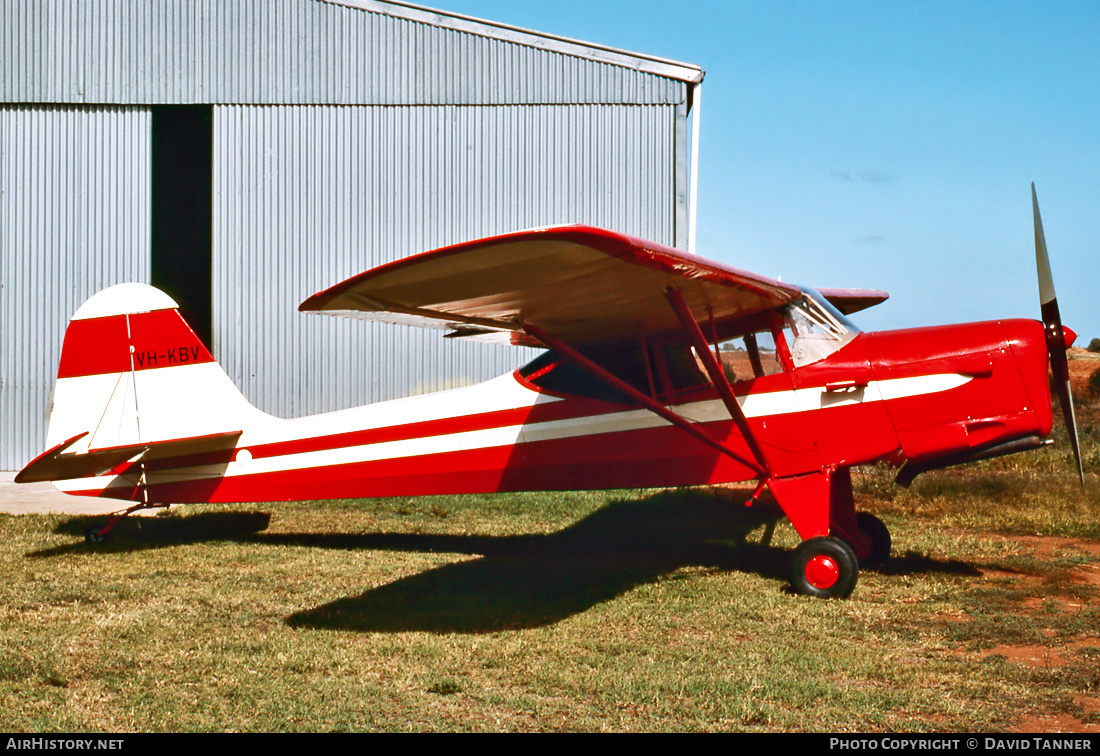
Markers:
point(653, 406)
point(717, 377)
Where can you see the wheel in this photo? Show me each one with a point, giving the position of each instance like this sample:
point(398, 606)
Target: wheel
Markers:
point(93, 535)
point(876, 530)
point(824, 567)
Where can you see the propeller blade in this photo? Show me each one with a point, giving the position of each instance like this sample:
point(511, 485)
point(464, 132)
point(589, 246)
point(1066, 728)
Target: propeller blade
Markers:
point(1056, 339)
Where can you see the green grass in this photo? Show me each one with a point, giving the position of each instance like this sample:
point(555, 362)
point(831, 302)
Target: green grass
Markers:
point(620, 611)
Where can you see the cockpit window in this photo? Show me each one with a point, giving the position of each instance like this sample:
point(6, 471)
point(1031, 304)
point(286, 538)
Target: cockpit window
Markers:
point(667, 369)
point(819, 329)
point(557, 374)
point(750, 356)
point(660, 370)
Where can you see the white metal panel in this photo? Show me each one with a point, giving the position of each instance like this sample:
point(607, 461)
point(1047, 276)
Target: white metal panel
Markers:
point(307, 196)
point(74, 218)
point(304, 52)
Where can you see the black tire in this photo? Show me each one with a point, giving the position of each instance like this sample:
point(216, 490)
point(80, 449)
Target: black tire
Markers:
point(824, 567)
point(93, 535)
point(876, 530)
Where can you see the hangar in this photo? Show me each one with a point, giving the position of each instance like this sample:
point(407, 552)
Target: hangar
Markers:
point(244, 155)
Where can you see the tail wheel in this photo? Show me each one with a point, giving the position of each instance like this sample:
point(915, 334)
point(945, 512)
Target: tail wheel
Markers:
point(95, 535)
point(824, 567)
point(876, 530)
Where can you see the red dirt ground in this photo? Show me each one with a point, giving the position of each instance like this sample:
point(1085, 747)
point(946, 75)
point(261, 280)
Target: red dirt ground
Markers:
point(1050, 656)
point(1082, 364)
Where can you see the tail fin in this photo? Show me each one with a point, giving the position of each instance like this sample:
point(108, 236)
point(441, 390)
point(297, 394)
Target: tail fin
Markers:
point(133, 373)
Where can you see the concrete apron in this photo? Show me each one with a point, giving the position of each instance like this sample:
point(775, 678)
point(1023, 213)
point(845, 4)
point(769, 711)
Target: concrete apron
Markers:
point(43, 498)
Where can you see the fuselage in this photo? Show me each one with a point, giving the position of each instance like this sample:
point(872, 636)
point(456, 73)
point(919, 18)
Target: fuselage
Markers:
point(920, 394)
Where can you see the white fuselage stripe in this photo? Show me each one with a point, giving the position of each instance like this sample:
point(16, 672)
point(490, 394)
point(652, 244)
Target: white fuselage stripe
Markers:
point(754, 405)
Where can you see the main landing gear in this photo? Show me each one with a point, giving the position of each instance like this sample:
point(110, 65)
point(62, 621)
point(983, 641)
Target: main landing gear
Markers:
point(837, 541)
point(824, 567)
point(876, 530)
point(827, 566)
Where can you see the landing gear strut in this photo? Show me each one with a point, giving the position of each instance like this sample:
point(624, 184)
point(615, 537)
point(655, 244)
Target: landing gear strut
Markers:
point(96, 535)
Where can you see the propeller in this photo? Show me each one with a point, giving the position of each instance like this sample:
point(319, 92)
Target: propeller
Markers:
point(1057, 343)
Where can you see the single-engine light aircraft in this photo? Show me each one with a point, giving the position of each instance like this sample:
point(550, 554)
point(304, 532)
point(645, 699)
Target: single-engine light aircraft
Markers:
point(639, 387)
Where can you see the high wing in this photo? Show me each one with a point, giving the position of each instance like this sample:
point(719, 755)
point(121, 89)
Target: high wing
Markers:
point(582, 284)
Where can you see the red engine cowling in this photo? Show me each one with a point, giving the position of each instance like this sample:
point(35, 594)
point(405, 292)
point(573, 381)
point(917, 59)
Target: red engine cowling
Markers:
point(995, 396)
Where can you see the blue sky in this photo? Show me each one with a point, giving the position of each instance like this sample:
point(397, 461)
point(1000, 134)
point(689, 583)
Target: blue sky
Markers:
point(881, 144)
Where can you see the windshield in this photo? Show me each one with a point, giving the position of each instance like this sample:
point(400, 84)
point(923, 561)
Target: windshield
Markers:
point(819, 328)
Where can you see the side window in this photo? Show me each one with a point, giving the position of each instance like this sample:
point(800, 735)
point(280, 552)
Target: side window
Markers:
point(559, 375)
point(671, 368)
point(663, 369)
point(683, 368)
point(750, 356)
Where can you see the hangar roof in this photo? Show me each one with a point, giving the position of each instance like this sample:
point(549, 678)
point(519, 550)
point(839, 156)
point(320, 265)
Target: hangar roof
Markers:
point(323, 52)
point(686, 72)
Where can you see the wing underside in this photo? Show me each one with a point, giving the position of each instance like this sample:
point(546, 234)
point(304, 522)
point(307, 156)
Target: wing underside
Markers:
point(582, 284)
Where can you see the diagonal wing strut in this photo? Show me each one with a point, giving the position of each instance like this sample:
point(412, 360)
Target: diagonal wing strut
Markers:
point(652, 405)
point(717, 377)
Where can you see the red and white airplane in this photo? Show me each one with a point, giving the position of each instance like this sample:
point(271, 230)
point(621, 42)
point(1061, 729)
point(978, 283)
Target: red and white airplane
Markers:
point(634, 391)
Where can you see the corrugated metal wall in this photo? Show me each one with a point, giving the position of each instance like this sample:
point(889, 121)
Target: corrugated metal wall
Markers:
point(344, 137)
point(296, 51)
point(74, 219)
point(307, 196)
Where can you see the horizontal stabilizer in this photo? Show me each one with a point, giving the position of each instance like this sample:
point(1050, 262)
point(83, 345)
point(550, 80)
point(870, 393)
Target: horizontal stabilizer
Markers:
point(56, 464)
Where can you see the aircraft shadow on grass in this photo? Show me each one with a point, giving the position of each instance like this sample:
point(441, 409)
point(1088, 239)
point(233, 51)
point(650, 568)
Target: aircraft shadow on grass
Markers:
point(141, 533)
point(534, 580)
point(519, 581)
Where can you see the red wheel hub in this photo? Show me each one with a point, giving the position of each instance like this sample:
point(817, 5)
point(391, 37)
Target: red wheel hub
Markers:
point(822, 572)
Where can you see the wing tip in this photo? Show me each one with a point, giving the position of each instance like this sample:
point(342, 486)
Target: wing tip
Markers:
point(849, 301)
